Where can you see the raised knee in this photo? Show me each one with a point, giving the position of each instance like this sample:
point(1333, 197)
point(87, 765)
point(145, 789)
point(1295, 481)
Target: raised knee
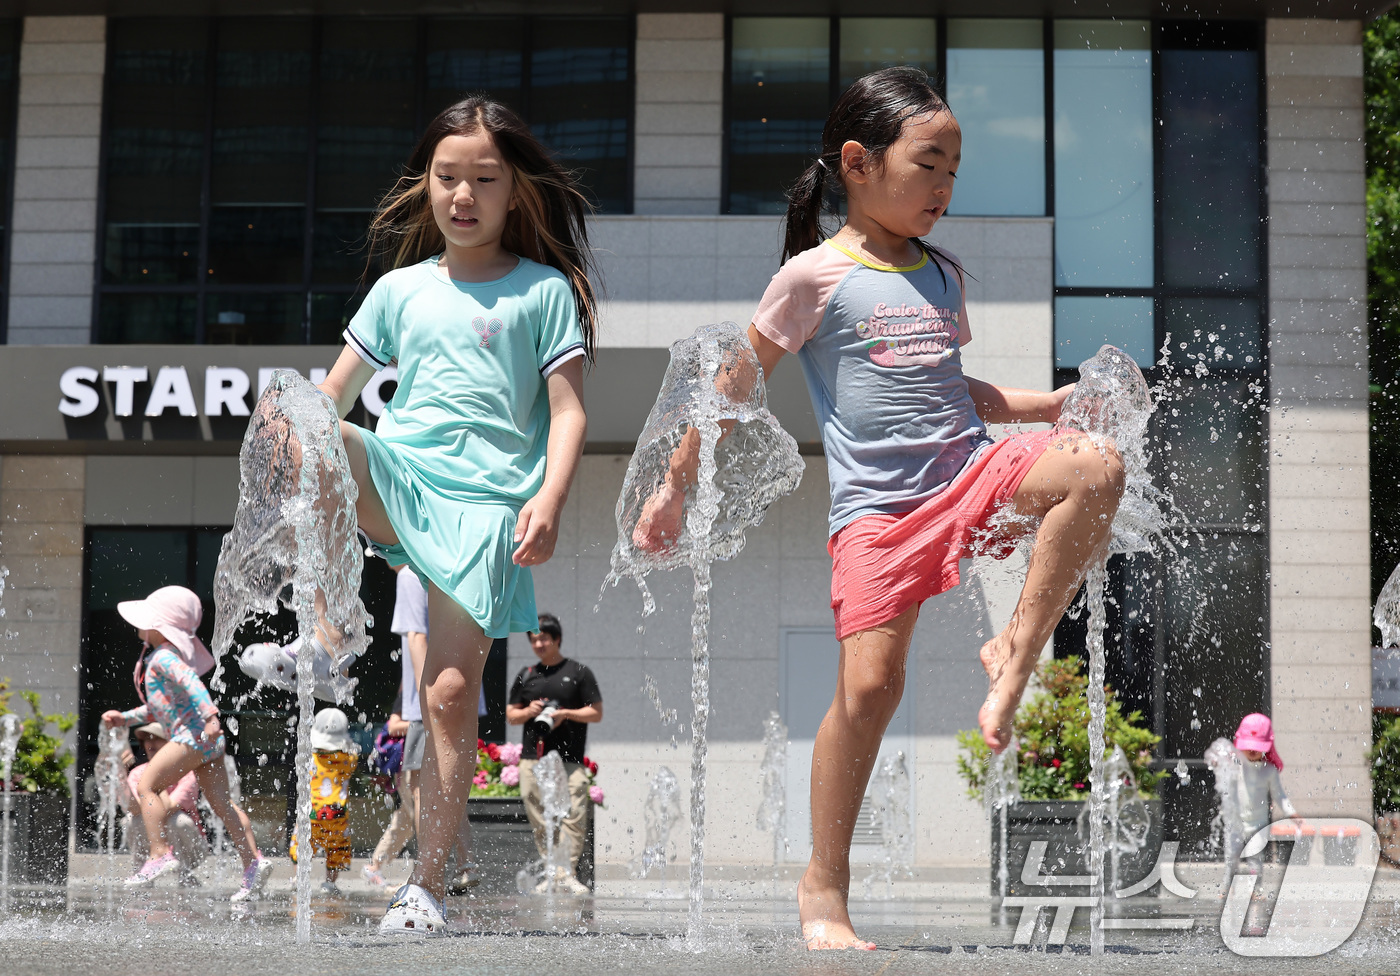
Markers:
point(450, 692)
point(1115, 473)
point(1100, 468)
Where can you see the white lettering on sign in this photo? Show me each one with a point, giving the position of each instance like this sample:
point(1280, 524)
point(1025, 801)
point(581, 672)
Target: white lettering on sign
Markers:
point(80, 398)
point(126, 378)
point(171, 389)
point(224, 390)
point(370, 396)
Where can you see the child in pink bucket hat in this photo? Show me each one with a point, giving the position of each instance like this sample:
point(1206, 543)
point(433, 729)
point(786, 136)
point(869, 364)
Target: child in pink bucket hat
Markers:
point(167, 681)
point(1259, 788)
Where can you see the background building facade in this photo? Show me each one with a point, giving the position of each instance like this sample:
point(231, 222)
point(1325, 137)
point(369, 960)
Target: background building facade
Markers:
point(186, 194)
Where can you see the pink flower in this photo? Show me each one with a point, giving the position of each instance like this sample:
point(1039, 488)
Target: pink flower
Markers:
point(481, 778)
point(510, 775)
point(510, 755)
point(595, 793)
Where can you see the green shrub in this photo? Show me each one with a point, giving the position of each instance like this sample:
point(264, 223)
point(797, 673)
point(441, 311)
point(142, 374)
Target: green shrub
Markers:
point(40, 760)
point(1052, 730)
point(1384, 756)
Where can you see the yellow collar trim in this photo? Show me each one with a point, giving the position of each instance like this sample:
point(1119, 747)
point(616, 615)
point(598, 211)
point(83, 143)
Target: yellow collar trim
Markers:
point(923, 260)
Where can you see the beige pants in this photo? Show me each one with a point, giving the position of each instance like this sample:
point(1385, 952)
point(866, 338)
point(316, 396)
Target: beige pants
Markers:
point(574, 829)
point(404, 824)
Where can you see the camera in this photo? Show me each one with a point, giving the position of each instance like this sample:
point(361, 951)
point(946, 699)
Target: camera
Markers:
point(546, 715)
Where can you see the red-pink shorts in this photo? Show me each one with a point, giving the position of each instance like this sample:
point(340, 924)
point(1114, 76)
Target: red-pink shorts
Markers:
point(884, 564)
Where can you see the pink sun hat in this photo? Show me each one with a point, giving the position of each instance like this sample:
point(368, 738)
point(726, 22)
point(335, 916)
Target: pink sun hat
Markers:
point(176, 612)
point(1256, 733)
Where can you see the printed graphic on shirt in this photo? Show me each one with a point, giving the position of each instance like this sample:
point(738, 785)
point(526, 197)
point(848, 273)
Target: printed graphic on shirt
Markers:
point(909, 335)
point(486, 330)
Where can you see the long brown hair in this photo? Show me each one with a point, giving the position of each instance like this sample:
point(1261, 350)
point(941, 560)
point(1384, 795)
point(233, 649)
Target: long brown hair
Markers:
point(547, 224)
point(871, 112)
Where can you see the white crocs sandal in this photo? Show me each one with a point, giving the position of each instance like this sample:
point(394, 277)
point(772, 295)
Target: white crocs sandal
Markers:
point(413, 912)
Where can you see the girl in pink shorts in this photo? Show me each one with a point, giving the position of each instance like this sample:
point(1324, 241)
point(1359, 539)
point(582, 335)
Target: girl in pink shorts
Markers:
point(877, 318)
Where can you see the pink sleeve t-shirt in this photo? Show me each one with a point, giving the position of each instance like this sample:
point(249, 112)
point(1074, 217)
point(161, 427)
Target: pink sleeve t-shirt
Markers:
point(880, 349)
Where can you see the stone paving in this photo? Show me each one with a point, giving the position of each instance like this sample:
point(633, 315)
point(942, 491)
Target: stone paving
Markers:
point(96, 927)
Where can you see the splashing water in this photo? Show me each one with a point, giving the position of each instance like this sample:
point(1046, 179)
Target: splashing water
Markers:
point(11, 728)
point(889, 808)
point(1223, 760)
point(713, 382)
point(293, 543)
point(772, 812)
point(1387, 617)
point(111, 742)
point(659, 814)
point(1127, 819)
point(1000, 792)
point(554, 797)
point(1112, 404)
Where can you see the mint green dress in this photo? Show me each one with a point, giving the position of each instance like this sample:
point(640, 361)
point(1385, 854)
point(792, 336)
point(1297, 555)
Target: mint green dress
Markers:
point(461, 445)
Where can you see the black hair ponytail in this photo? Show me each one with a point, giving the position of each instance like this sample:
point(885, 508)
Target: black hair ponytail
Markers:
point(871, 112)
point(806, 203)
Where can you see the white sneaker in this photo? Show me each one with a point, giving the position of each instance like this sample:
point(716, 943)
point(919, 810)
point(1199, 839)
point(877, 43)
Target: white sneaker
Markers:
point(413, 912)
point(574, 886)
point(373, 876)
point(565, 884)
point(330, 889)
point(254, 880)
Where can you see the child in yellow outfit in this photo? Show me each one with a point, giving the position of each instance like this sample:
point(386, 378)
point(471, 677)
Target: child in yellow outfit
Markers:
point(334, 756)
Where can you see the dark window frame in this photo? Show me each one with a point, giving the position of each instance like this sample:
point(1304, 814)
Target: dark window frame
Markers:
point(308, 287)
point(7, 191)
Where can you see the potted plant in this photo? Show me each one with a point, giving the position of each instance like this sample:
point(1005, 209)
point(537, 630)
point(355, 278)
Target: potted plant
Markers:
point(501, 832)
point(1052, 763)
point(39, 794)
point(1384, 756)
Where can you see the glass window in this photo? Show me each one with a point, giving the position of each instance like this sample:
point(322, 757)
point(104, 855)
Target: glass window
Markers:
point(1083, 324)
point(1210, 169)
point(1216, 667)
point(148, 318)
point(996, 88)
point(1103, 154)
point(155, 151)
point(366, 99)
point(1208, 445)
point(1219, 332)
point(871, 43)
point(246, 155)
point(581, 102)
point(476, 54)
point(779, 95)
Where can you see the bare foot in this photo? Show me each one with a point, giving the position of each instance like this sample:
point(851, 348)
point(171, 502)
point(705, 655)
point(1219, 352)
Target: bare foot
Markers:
point(998, 711)
point(825, 922)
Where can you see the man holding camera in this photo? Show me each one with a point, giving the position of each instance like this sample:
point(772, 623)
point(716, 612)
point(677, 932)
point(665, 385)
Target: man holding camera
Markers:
point(555, 700)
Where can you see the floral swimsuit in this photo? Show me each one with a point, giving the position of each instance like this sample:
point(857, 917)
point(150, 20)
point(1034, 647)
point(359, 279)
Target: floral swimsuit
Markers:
point(178, 700)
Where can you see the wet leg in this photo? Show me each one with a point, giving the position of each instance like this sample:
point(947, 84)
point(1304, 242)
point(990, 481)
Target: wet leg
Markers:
point(869, 685)
point(1074, 489)
point(449, 684)
point(213, 780)
point(165, 769)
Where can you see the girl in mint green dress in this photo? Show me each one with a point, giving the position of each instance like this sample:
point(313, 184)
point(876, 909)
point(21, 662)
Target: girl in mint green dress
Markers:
point(489, 316)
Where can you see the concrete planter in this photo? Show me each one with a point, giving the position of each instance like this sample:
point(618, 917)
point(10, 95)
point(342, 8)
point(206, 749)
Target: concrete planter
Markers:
point(38, 838)
point(1055, 822)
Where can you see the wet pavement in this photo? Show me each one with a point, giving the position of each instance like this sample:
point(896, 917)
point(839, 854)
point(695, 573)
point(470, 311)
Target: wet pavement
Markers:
point(96, 927)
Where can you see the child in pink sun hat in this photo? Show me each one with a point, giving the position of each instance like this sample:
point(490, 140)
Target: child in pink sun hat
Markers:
point(167, 681)
point(1259, 784)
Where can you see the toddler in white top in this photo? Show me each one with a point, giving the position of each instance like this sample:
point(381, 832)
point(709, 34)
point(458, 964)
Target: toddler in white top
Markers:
point(1259, 787)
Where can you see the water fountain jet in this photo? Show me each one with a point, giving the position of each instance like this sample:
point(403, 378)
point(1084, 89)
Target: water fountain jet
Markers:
point(293, 544)
point(713, 385)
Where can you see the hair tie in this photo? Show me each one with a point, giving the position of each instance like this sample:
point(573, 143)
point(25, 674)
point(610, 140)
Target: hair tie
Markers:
point(822, 163)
